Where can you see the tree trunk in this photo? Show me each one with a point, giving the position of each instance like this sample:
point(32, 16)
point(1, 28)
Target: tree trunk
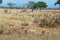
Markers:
point(40, 8)
point(10, 9)
point(32, 10)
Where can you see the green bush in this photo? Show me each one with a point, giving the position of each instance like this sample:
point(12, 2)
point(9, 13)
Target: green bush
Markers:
point(25, 23)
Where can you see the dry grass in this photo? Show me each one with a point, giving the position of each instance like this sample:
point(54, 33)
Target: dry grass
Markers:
point(11, 25)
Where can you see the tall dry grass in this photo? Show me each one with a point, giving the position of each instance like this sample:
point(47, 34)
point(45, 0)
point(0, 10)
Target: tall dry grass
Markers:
point(11, 25)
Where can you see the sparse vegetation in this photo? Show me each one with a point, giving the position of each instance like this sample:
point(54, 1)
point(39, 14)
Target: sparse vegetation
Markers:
point(27, 24)
point(11, 25)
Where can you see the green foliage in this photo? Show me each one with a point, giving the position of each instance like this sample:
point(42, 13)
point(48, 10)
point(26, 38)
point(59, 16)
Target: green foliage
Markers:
point(58, 2)
point(47, 22)
point(57, 21)
point(38, 4)
point(0, 1)
point(25, 23)
point(41, 4)
point(10, 5)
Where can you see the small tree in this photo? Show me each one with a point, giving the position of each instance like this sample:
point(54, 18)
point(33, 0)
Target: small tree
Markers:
point(58, 2)
point(24, 7)
point(10, 5)
point(41, 5)
point(31, 4)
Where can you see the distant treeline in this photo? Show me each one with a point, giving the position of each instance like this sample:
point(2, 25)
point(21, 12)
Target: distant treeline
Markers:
point(11, 7)
point(30, 8)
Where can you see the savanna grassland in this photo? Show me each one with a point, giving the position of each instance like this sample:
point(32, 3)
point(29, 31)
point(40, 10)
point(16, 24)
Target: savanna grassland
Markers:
point(18, 24)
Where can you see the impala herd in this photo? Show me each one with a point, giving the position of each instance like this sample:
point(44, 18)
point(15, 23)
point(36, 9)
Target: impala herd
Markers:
point(34, 30)
point(31, 29)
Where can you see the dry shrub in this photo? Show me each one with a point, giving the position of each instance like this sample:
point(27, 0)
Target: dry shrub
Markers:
point(48, 20)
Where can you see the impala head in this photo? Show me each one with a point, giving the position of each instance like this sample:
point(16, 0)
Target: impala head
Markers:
point(11, 25)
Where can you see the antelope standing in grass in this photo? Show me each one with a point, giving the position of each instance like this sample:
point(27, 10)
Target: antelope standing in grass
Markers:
point(45, 33)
